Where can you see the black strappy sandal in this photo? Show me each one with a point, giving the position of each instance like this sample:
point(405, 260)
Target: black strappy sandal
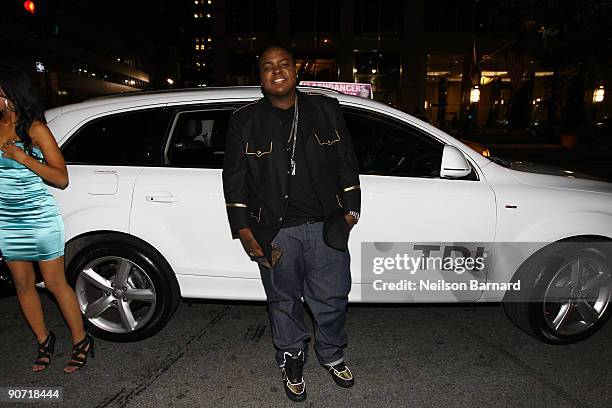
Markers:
point(80, 351)
point(45, 349)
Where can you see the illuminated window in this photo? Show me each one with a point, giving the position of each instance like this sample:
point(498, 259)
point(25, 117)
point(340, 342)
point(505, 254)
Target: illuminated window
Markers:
point(320, 67)
point(385, 66)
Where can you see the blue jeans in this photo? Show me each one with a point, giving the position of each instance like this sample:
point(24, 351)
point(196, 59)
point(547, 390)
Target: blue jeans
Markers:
point(321, 275)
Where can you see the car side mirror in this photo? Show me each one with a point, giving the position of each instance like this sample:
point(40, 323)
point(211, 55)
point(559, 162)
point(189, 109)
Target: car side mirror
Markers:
point(454, 164)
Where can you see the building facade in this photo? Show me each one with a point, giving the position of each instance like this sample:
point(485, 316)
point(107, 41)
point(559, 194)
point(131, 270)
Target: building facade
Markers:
point(450, 60)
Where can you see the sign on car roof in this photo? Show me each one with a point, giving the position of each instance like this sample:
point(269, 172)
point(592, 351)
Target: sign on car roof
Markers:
point(349, 88)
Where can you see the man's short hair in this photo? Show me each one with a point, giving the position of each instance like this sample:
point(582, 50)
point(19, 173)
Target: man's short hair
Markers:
point(275, 47)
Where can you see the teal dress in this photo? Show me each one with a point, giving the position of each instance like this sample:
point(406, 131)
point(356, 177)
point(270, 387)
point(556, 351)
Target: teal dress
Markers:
point(31, 227)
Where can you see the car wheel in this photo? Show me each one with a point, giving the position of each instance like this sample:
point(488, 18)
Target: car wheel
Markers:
point(565, 293)
point(125, 289)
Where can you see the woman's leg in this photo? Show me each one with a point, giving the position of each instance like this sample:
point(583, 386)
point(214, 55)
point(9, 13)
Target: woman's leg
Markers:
point(25, 280)
point(55, 281)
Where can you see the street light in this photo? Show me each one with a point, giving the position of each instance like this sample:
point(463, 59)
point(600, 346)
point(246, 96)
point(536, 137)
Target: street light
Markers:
point(599, 94)
point(475, 94)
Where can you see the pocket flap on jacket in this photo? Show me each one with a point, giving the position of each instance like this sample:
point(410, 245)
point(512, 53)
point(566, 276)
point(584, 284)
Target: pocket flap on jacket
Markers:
point(328, 139)
point(258, 151)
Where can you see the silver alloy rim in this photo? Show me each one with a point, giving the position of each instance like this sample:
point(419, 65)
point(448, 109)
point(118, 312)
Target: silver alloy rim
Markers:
point(115, 294)
point(577, 296)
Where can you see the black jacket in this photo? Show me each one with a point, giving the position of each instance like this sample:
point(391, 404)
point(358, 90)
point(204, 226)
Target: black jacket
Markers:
point(256, 166)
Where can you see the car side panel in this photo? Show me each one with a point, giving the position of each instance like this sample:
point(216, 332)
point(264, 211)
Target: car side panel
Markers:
point(421, 210)
point(191, 224)
point(97, 198)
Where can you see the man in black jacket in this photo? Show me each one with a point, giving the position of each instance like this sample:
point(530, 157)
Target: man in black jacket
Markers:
point(291, 185)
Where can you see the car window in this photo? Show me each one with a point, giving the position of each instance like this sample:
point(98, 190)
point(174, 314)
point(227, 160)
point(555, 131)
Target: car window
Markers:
point(125, 139)
point(198, 139)
point(385, 146)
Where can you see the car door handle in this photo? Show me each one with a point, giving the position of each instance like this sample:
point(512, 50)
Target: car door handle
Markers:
point(162, 199)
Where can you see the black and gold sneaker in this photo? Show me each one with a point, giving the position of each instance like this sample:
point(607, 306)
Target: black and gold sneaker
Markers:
point(293, 379)
point(342, 375)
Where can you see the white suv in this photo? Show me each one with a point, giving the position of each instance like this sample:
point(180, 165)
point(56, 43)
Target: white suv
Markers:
point(146, 222)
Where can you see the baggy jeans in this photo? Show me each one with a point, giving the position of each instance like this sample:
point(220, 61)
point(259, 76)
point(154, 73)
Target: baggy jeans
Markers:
point(311, 270)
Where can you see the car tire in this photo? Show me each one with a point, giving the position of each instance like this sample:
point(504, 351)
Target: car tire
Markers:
point(566, 291)
point(126, 290)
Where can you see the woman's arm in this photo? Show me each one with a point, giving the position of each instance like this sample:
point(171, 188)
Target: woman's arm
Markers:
point(54, 171)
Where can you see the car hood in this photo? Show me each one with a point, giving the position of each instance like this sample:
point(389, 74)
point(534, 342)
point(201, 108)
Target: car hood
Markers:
point(556, 177)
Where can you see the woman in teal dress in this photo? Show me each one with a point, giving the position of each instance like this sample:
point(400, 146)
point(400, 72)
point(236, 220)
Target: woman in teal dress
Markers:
point(31, 227)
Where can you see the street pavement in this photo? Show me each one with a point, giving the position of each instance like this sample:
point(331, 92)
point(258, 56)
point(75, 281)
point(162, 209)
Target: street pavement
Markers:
point(219, 354)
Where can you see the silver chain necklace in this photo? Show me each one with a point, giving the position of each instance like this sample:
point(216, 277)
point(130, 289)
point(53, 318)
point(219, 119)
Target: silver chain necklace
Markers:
point(293, 134)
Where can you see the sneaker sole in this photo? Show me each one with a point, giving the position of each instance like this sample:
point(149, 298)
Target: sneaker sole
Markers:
point(295, 397)
point(343, 383)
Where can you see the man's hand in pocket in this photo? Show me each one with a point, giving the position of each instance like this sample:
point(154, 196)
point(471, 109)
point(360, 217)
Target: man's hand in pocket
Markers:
point(250, 244)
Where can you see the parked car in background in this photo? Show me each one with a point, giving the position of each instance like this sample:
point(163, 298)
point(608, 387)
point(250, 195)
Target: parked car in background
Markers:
point(146, 223)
